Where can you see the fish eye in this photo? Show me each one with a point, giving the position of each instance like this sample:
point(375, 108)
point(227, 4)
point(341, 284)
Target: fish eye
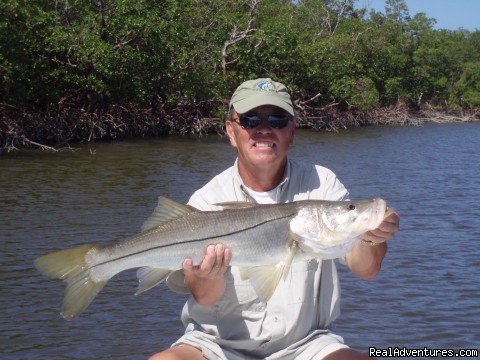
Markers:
point(351, 207)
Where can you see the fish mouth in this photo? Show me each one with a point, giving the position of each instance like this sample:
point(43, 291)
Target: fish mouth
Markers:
point(379, 209)
point(372, 216)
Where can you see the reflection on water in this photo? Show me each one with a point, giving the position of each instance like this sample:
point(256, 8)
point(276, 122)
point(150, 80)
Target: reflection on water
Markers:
point(426, 295)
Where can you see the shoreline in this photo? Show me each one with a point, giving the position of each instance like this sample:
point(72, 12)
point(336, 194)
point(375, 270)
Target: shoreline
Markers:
point(54, 131)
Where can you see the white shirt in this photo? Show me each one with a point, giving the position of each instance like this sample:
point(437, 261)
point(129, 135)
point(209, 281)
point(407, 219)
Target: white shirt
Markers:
point(263, 197)
point(303, 305)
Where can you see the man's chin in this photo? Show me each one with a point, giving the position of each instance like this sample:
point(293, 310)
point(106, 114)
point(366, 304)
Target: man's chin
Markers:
point(265, 159)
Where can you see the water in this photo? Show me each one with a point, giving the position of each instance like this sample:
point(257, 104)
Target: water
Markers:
point(427, 294)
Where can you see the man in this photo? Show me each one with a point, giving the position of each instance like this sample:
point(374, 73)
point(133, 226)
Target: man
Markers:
point(224, 318)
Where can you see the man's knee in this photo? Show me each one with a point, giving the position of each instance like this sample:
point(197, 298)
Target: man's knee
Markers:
point(181, 352)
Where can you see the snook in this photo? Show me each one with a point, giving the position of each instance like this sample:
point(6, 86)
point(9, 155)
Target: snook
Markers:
point(264, 240)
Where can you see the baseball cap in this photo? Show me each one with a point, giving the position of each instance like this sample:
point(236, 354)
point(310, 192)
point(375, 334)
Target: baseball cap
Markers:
point(253, 93)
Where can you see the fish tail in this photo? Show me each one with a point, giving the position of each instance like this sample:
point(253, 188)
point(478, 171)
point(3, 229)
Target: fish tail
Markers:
point(70, 266)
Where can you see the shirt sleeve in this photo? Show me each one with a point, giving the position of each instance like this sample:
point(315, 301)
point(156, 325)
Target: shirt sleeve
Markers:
point(198, 202)
point(334, 190)
point(325, 185)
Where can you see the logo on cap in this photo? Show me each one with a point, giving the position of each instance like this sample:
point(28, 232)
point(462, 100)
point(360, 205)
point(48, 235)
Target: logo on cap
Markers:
point(266, 86)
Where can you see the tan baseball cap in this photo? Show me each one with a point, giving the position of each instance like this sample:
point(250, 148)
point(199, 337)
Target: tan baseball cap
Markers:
point(258, 92)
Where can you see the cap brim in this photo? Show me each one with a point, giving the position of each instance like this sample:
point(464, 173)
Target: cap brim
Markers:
point(245, 105)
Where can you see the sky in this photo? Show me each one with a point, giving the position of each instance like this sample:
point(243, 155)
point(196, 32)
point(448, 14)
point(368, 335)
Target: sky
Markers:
point(450, 14)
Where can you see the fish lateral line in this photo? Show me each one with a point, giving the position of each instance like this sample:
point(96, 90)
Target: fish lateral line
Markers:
point(187, 241)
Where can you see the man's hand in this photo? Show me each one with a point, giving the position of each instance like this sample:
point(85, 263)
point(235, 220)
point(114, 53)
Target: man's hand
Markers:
point(385, 230)
point(365, 258)
point(206, 281)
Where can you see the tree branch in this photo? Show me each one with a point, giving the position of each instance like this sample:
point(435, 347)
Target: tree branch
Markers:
point(237, 35)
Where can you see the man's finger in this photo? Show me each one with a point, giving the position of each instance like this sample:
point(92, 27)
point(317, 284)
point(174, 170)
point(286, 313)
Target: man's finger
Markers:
point(208, 262)
point(393, 218)
point(376, 236)
point(388, 227)
point(219, 254)
point(384, 232)
point(187, 266)
point(227, 257)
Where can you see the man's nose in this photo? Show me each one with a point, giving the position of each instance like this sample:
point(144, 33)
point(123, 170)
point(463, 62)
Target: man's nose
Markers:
point(264, 124)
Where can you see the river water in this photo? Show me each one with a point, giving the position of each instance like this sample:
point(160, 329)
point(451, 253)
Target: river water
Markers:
point(427, 295)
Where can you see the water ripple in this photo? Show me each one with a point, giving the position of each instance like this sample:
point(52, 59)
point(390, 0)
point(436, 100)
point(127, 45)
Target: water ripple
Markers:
point(426, 295)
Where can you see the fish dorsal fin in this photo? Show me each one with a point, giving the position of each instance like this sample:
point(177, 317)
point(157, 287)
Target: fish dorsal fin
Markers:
point(230, 205)
point(148, 277)
point(166, 210)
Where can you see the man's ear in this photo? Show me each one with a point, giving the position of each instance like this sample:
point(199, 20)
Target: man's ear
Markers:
point(231, 133)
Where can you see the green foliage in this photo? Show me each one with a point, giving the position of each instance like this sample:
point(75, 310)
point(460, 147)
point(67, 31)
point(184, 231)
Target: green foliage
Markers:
point(93, 54)
point(359, 93)
point(466, 91)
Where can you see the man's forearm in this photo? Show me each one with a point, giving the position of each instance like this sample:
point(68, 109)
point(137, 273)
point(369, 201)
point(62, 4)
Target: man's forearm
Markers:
point(365, 260)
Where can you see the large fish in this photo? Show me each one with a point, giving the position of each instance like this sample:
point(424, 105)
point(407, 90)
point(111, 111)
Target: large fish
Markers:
point(264, 239)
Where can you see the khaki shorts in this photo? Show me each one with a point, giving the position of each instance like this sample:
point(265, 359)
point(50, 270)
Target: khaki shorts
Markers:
point(315, 346)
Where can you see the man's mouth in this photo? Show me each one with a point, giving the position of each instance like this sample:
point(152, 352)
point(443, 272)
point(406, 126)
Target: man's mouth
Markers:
point(264, 144)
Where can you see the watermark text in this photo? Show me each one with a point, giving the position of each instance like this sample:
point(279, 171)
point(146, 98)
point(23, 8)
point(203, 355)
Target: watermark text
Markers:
point(425, 352)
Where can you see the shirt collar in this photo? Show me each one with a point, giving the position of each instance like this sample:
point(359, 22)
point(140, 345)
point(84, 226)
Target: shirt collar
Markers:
point(238, 182)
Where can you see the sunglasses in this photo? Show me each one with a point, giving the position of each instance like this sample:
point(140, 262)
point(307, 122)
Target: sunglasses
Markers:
point(276, 121)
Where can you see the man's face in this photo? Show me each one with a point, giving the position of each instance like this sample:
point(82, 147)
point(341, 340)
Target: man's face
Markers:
point(262, 146)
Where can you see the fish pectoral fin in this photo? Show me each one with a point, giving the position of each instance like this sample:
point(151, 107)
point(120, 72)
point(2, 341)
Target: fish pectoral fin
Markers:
point(176, 282)
point(244, 273)
point(264, 279)
point(149, 277)
point(165, 211)
point(231, 205)
point(292, 250)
